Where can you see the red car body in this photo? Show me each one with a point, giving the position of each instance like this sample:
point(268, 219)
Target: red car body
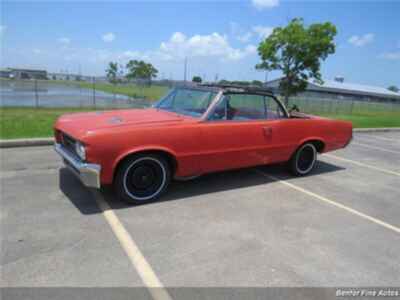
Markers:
point(197, 146)
point(191, 145)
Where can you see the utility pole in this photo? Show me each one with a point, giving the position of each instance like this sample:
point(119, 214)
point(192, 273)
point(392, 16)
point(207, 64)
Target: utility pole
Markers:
point(185, 71)
point(266, 76)
point(94, 91)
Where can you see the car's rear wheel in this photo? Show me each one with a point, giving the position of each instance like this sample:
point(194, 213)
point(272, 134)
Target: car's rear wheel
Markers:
point(303, 161)
point(142, 178)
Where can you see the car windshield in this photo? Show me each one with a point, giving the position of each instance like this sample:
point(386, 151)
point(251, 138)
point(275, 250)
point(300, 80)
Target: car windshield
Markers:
point(187, 101)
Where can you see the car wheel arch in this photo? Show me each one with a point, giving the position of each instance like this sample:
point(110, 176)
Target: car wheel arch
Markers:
point(168, 155)
point(319, 144)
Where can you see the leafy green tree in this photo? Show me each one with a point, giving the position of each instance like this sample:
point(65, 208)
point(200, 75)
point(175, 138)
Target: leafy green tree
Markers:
point(241, 82)
point(197, 79)
point(112, 72)
point(393, 88)
point(297, 51)
point(140, 70)
point(257, 83)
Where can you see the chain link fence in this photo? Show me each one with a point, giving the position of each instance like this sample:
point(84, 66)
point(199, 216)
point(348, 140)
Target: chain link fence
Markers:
point(100, 94)
point(88, 94)
point(332, 106)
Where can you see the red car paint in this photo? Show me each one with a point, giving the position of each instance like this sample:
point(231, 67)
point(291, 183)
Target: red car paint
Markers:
point(197, 146)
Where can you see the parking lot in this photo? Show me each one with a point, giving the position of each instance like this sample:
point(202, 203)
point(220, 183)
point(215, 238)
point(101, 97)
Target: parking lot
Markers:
point(257, 227)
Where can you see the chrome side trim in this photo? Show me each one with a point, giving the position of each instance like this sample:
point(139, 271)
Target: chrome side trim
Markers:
point(89, 174)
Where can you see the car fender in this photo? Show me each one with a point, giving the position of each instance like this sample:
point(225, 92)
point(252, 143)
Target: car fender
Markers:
point(132, 151)
point(308, 139)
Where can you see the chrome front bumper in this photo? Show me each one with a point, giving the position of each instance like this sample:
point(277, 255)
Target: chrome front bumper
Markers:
point(89, 174)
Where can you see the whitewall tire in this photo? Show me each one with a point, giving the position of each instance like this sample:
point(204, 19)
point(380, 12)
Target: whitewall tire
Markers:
point(303, 160)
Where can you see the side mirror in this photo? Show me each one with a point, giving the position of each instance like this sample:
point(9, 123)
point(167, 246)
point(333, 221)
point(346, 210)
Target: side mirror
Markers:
point(294, 108)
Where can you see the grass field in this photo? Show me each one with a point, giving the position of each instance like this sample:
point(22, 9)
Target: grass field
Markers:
point(369, 120)
point(30, 122)
point(152, 92)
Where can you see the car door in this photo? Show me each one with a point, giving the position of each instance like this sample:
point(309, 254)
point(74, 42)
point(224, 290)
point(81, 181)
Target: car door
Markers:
point(236, 134)
point(284, 132)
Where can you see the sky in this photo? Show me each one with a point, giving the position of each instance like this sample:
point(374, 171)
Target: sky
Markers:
point(219, 38)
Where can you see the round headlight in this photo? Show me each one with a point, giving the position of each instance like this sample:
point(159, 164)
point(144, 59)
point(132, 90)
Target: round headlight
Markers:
point(80, 150)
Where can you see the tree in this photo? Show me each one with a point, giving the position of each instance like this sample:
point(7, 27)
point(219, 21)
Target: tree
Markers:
point(197, 79)
point(393, 88)
point(297, 51)
point(140, 70)
point(112, 72)
point(257, 83)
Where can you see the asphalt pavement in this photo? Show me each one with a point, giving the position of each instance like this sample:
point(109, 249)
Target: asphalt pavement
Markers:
point(256, 227)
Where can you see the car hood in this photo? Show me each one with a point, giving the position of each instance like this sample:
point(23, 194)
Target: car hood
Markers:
point(79, 124)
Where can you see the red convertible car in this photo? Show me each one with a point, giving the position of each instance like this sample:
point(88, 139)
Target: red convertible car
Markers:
point(190, 132)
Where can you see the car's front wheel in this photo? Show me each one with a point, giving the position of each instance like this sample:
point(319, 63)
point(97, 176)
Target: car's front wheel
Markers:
point(303, 160)
point(142, 178)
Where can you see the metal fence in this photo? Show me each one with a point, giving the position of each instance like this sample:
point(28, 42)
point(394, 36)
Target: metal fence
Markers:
point(46, 93)
point(331, 106)
point(99, 94)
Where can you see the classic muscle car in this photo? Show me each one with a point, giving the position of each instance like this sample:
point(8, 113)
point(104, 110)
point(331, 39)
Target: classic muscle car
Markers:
point(193, 130)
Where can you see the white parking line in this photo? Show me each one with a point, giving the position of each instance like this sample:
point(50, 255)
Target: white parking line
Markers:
point(333, 203)
point(362, 164)
point(375, 147)
point(139, 262)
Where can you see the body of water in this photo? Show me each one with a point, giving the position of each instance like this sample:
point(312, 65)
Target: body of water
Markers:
point(48, 94)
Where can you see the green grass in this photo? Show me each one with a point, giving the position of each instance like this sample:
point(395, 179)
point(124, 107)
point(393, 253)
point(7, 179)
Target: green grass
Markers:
point(30, 122)
point(20, 122)
point(153, 92)
point(369, 120)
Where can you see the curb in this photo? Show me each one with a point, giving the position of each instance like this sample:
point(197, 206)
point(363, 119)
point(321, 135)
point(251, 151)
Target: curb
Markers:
point(26, 142)
point(50, 141)
point(376, 129)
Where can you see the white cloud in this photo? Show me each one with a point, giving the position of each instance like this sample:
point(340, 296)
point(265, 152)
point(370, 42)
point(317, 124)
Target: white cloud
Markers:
point(64, 40)
point(263, 31)
point(262, 4)
point(391, 55)
point(212, 45)
point(108, 37)
point(360, 41)
point(131, 54)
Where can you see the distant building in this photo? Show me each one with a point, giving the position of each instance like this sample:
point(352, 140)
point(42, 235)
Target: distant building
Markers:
point(5, 73)
point(23, 73)
point(67, 76)
point(338, 89)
